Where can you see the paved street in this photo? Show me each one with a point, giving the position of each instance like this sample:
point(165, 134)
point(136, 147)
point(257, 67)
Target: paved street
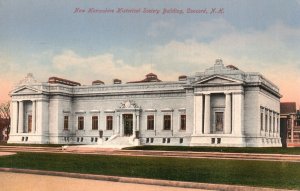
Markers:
point(29, 182)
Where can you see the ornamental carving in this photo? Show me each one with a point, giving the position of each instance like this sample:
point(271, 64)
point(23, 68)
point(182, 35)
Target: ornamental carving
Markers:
point(29, 79)
point(128, 104)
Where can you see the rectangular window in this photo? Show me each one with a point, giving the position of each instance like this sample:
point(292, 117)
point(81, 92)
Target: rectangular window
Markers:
point(167, 122)
point(29, 123)
point(181, 140)
point(109, 122)
point(261, 121)
point(212, 140)
point(80, 123)
point(168, 140)
point(66, 122)
point(95, 123)
point(150, 122)
point(182, 122)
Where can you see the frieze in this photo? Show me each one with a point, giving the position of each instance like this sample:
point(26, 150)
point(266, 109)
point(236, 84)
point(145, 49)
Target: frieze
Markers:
point(28, 97)
point(118, 97)
point(172, 85)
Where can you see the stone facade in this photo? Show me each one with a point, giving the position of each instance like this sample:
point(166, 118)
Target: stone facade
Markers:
point(222, 106)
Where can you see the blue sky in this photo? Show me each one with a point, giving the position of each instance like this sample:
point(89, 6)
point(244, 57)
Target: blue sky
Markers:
point(48, 39)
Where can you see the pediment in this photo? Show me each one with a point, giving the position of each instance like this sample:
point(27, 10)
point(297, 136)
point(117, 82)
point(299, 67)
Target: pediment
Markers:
point(26, 90)
point(218, 80)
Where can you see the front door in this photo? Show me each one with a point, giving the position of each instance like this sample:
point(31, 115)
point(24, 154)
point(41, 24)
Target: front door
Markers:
point(128, 124)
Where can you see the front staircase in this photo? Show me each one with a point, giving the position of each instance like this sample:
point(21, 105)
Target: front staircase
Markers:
point(113, 142)
point(116, 141)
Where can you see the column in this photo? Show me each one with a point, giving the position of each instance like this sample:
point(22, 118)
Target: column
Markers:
point(267, 121)
point(278, 125)
point(198, 114)
point(121, 125)
point(207, 114)
point(227, 113)
point(134, 124)
point(118, 123)
point(273, 124)
point(138, 122)
point(21, 117)
point(34, 116)
point(14, 117)
point(263, 120)
point(292, 128)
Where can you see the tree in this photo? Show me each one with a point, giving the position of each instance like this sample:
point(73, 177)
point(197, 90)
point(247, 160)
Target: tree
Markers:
point(4, 120)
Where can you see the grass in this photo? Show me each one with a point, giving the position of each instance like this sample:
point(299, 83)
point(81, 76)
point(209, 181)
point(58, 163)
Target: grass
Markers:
point(252, 173)
point(266, 150)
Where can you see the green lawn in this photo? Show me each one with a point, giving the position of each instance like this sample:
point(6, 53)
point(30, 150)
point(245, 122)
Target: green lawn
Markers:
point(268, 150)
point(254, 173)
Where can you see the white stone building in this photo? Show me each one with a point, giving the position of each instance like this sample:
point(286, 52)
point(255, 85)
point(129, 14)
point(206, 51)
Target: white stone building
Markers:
point(222, 106)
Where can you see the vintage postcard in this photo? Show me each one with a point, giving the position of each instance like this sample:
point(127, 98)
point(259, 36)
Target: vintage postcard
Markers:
point(95, 77)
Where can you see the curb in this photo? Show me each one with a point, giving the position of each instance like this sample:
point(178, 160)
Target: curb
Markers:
point(207, 186)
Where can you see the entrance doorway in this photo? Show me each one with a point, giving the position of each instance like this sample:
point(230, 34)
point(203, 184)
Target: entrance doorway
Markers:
point(128, 124)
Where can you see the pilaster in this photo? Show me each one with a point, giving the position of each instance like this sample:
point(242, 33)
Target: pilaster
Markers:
point(198, 115)
point(227, 113)
point(238, 111)
point(207, 114)
point(14, 117)
point(34, 116)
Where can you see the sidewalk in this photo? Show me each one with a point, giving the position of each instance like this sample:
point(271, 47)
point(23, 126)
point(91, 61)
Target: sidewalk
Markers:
point(167, 183)
point(32, 182)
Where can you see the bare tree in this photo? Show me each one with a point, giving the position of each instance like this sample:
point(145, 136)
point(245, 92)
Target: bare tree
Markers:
point(5, 110)
point(4, 120)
